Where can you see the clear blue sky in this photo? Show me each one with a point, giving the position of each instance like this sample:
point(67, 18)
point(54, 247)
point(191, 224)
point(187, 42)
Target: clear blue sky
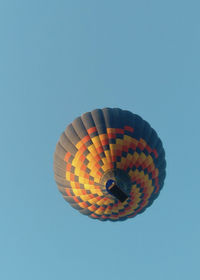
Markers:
point(59, 59)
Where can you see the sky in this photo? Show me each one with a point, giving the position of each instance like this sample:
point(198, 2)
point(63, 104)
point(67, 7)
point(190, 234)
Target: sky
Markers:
point(59, 59)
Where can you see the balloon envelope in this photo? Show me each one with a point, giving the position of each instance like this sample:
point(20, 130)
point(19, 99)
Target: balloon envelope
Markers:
point(109, 164)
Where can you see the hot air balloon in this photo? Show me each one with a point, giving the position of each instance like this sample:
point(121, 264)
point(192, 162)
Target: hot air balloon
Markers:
point(109, 164)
